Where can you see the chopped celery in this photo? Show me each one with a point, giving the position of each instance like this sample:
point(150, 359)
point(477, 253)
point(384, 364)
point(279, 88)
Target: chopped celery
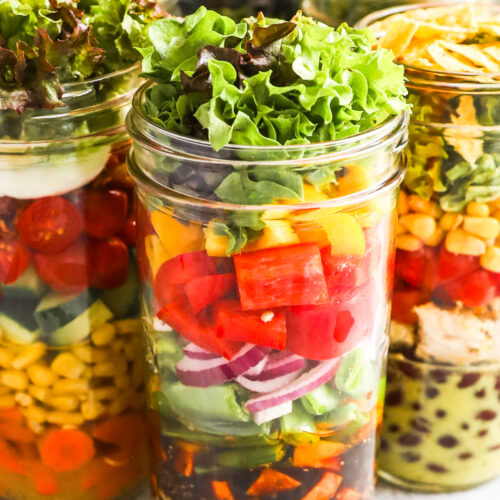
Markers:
point(251, 457)
point(322, 400)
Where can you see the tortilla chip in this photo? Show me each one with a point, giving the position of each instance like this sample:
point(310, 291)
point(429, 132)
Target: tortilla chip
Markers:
point(475, 54)
point(449, 62)
point(398, 36)
point(440, 32)
point(493, 51)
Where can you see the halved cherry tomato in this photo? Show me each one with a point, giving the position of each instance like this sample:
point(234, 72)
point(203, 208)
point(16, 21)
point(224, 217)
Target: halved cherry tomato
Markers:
point(452, 265)
point(109, 262)
point(128, 232)
point(14, 260)
point(418, 268)
point(50, 225)
point(67, 271)
point(473, 289)
point(104, 212)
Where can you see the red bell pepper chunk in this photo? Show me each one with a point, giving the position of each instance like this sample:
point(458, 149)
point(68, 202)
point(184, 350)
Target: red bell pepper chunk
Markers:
point(452, 265)
point(264, 328)
point(180, 270)
point(341, 271)
point(179, 316)
point(204, 291)
point(284, 276)
point(473, 290)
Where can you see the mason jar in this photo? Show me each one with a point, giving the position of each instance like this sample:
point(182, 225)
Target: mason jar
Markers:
point(442, 421)
point(265, 324)
point(72, 420)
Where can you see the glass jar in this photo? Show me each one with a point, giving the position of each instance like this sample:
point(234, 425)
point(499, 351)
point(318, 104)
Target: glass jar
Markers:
point(72, 420)
point(265, 323)
point(446, 301)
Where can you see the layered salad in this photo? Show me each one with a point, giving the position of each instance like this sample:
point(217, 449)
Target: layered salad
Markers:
point(266, 317)
point(443, 413)
point(72, 420)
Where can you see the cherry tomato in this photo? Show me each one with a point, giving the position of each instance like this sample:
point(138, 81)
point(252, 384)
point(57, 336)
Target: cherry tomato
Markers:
point(473, 290)
point(418, 268)
point(104, 212)
point(14, 259)
point(66, 272)
point(129, 232)
point(50, 225)
point(452, 265)
point(109, 261)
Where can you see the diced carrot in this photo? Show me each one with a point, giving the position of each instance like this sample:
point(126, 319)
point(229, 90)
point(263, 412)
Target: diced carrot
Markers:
point(9, 460)
point(317, 454)
point(222, 490)
point(348, 494)
point(272, 481)
point(43, 478)
point(184, 461)
point(325, 488)
point(117, 480)
point(66, 449)
point(12, 414)
point(12, 431)
point(332, 463)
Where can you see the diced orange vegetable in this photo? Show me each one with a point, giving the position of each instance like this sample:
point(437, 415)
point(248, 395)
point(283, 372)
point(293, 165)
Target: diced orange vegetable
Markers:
point(312, 233)
point(9, 460)
point(356, 179)
point(27, 451)
point(184, 457)
point(222, 490)
point(94, 473)
point(117, 479)
point(326, 488)
point(66, 449)
point(348, 494)
point(12, 414)
point(271, 481)
point(317, 454)
point(118, 429)
point(12, 431)
point(43, 478)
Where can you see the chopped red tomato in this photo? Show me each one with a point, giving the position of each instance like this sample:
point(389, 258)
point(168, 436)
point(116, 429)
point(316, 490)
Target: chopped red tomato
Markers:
point(284, 276)
point(341, 271)
point(419, 268)
point(265, 328)
point(403, 302)
point(14, 260)
point(128, 232)
point(104, 212)
point(180, 270)
point(67, 271)
point(50, 225)
point(452, 265)
point(473, 289)
point(109, 263)
point(196, 329)
point(204, 291)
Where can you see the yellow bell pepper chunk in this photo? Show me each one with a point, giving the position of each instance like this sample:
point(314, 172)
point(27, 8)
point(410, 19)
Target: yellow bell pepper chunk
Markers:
point(311, 194)
point(312, 233)
point(215, 244)
point(156, 253)
point(356, 179)
point(345, 234)
point(277, 233)
point(176, 237)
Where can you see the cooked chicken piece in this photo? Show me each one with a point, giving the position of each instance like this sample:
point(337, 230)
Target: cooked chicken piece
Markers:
point(401, 335)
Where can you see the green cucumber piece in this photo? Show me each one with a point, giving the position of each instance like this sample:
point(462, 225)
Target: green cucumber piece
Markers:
point(78, 329)
point(17, 321)
point(56, 310)
point(124, 300)
point(251, 457)
point(27, 287)
point(322, 400)
point(298, 427)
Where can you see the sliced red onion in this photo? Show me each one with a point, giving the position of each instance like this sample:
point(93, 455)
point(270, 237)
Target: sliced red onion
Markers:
point(265, 386)
point(301, 386)
point(207, 372)
point(263, 416)
point(196, 352)
point(280, 363)
point(257, 369)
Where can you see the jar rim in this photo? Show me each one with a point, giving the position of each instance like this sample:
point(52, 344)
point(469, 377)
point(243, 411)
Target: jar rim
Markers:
point(161, 140)
point(398, 356)
point(425, 77)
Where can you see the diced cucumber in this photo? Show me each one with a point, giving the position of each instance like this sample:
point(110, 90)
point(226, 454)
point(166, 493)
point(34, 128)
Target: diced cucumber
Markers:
point(17, 322)
point(78, 329)
point(124, 300)
point(56, 310)
point(28, 286)
point(298, 427)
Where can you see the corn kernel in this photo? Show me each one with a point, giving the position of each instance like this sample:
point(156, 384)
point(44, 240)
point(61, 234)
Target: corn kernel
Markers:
point(35, 413)
point(478, 209)
point(15, 379)
point(70, 386)
point(104, 393)
point(118, 366)
point(92, 410)
point(36, 427)
point(400, 229)
point(484, 227)
point(490, 260)
point(41, 375)
point(65, 403)
point(103, 335)
point(42, 394)
point(460, 242)
point(426, 207)
point(7, 401)
point(121, 403)
point(122, 381)
point(28, 355)
point(138, 373)
point(450, 221)
point(23, 399)
point(4, 390)
point(409, 243)
point(403, 207)
point(126, 326)
point(71, 419)
point(118, 345)
point(6, 357)
point(420, 225)
point(133, 349)
point(138, 401)
point(91, 354)
point(436, 238)
point(67, 365)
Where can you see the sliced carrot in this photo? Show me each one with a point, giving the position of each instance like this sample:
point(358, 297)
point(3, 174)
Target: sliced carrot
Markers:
point(43, 478)
point(9, 460)
point(66, 449)
point(348, 494)
point(272, 481)
point(12, 414)
point(317, 454)
point(325, 488)
point(118, 479)
point(12, 431)
point(222, 490)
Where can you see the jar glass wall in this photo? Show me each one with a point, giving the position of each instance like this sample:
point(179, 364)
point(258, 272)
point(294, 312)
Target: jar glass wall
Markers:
point(71, 406)
point(446, 302)
point(266, 349)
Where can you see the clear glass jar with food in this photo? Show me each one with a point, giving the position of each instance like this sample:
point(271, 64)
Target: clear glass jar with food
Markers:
point(72, 419)
point(441, 426)
point(267, 266)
